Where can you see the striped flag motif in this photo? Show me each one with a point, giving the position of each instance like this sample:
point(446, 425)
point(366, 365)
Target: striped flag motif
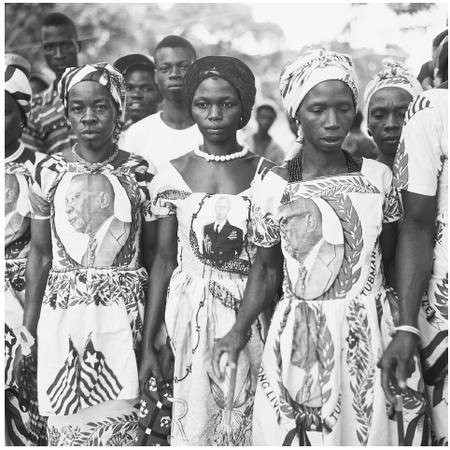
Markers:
point(83, 381)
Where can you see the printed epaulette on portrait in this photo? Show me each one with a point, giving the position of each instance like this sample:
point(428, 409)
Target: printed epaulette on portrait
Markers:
point(419, 104)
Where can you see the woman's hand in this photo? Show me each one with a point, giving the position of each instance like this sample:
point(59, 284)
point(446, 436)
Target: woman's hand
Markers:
point(232, 343)
point(149, 367)
point(397, 363)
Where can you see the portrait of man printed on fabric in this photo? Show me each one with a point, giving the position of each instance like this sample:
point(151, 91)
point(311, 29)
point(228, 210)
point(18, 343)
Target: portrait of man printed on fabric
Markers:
point(89, 208)
point(16, 209)
point(222, 241)
point(314, 240)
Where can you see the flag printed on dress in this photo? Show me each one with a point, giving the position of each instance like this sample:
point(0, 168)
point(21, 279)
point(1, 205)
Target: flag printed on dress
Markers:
point(83, 381)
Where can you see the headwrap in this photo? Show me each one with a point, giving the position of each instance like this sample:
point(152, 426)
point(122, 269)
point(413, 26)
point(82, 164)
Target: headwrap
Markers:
point(17, 84)
point(230, 69)
point(308, 70)
point(102, 73)
point(393, 75)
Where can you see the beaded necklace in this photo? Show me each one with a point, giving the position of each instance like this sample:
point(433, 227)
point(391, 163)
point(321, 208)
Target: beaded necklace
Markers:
point(221, 158)
point(96, 165)
point(294, 166)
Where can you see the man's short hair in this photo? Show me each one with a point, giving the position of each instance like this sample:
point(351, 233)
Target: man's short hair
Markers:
point(57, 20)
point(268, 107)
point(173, 41)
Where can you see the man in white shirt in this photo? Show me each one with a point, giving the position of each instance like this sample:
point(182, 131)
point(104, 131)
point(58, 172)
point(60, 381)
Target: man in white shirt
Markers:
point(170, 133)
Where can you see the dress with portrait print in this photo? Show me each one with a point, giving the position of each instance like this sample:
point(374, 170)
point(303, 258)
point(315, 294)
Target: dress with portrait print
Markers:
point(421, 167)
point(318, 383)
point(22, 428)
point(91, 316)
point(214, 256)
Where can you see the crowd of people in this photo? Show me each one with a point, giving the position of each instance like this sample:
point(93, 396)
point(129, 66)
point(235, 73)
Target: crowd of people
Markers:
point(171, 280)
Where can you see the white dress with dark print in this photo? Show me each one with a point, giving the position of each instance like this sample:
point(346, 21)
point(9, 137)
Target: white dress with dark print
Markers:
point(421, 167)
point(215, 252)
point(318, 383)
point(18, 170)
point(91, 316)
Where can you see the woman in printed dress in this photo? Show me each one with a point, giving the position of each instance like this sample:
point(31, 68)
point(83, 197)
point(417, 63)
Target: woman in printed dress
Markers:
point(21, 427)
point(203, 256)
point(387, 97)
point(421, 174)
point(319, 383)
point(86, 275)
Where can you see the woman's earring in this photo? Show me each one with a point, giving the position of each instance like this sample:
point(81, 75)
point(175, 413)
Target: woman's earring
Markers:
point(369, 132)
point(22, 125)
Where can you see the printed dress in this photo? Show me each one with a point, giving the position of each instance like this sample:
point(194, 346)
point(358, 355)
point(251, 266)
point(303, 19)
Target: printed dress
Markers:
point(318, 383)
point(91, 316)
point(421, 167)
point(21, 428)
point(215, 252)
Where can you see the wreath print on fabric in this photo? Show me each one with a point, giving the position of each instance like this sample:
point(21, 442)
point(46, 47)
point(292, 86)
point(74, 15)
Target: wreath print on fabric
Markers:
point(236, 264)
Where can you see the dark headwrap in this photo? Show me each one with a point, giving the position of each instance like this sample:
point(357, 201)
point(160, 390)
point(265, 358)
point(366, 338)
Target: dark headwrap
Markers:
point(230, 69)
point(102, 73)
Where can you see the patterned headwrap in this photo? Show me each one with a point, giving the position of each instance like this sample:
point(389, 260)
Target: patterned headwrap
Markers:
point(17, 84)
point(103, 73)
point(230, 69)
point(393, 75)
point(308, 70)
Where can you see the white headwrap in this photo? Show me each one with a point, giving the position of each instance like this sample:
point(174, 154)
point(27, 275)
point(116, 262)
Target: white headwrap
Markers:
point(17, 84)
point(393, 75)
point(308, 70)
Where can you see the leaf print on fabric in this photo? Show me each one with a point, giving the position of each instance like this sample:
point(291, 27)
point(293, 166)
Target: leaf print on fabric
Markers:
point(361, 367)
point(400, 168)
point(266, 229)
point(441, 297)
point(112, 431)
point(325, 354)
point(340, 185)
point(225, 297)
point(353, 245)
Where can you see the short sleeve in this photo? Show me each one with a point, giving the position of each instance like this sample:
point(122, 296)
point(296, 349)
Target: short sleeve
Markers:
point(418, 160)
point(165, 193)
point(266, 200)
point(392, 207)
point(40, 206)
point(144, 174)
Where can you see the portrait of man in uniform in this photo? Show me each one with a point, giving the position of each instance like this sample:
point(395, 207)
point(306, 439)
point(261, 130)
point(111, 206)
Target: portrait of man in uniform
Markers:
point(89, 206)
point(319, 260)
point(222, 241)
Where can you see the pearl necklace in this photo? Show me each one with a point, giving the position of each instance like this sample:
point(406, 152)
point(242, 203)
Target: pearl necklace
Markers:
point(221, 158)
point(96, 165)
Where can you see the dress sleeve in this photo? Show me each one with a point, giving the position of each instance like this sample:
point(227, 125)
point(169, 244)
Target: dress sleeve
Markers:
point(266, 197)
point(40, 206)
point(164, 194)
point(392, 207)
point(418, 160)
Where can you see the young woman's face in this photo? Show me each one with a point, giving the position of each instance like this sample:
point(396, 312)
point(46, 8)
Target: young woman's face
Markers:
point(92, 114)
point(216, 109)
point(387, 110)
point(13, 120)
point(326, 115)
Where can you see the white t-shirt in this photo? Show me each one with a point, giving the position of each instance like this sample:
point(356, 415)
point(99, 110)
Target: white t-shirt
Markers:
point(158, 143)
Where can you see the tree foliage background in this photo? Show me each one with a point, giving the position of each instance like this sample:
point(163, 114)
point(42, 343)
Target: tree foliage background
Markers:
point(110, 30)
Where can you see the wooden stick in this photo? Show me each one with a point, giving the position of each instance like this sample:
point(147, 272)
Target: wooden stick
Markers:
point(231, 371)
point(399, 418)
